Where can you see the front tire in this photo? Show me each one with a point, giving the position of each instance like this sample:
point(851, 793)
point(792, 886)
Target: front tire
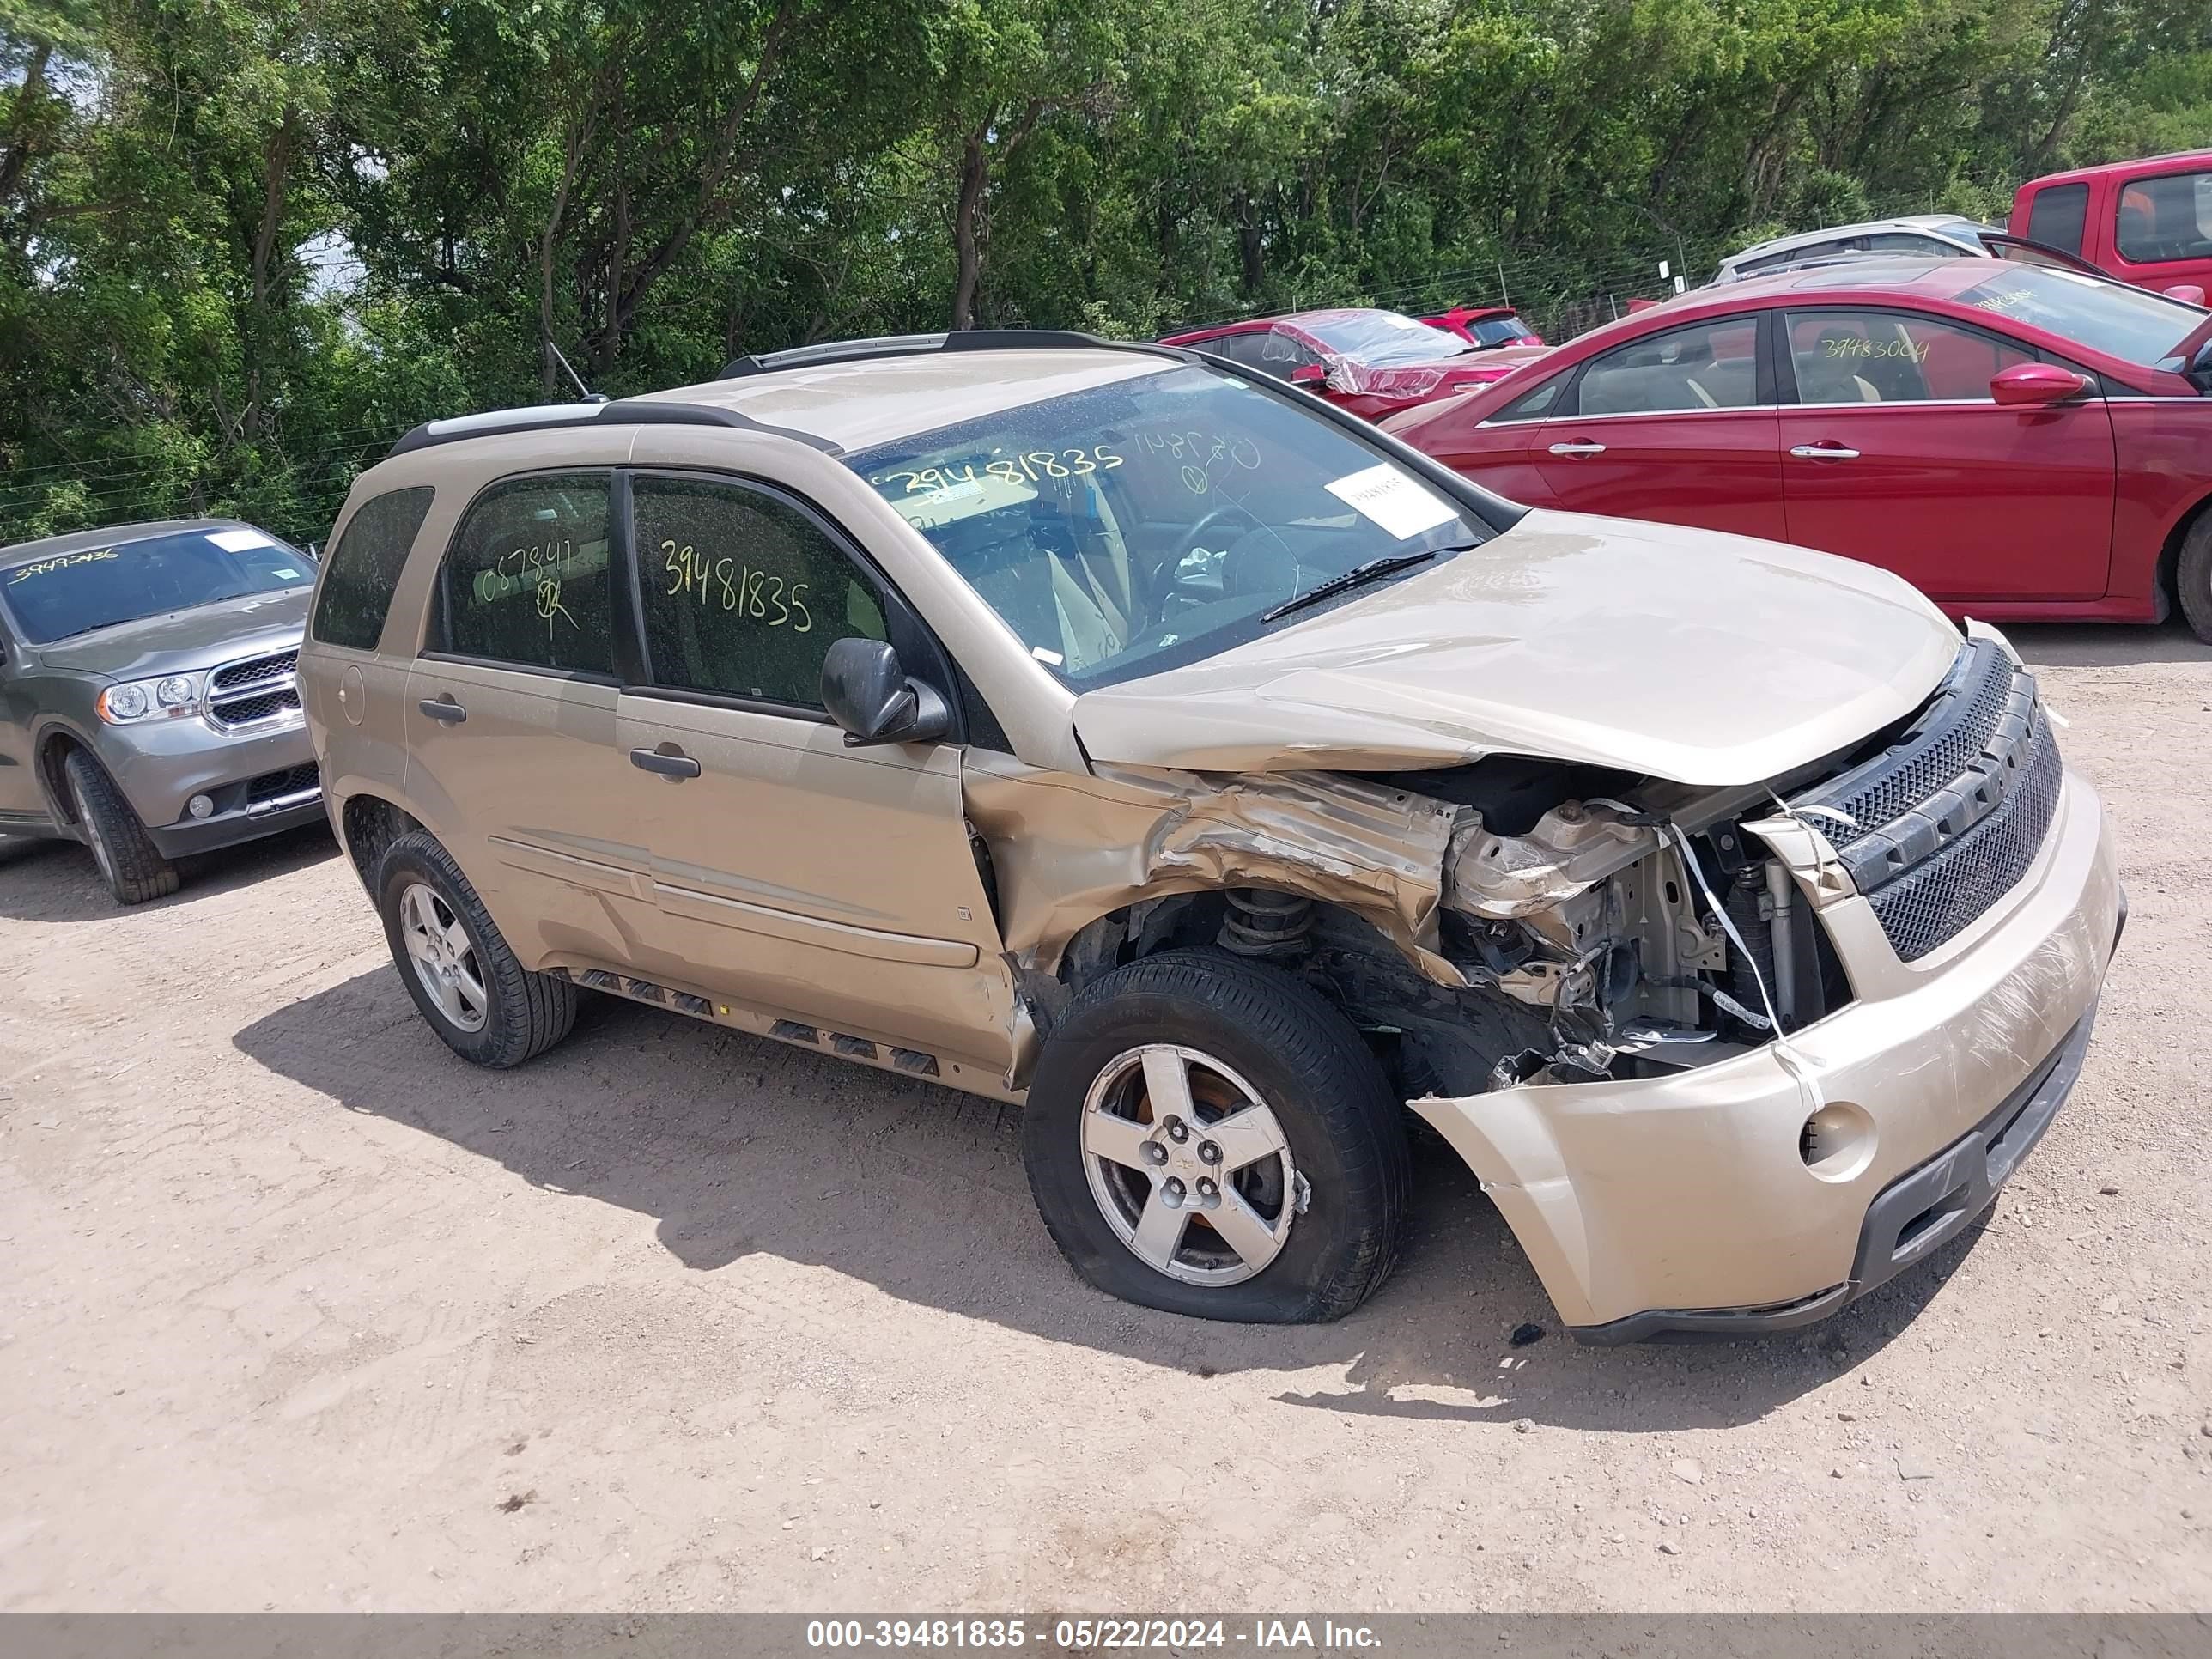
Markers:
point(479, 999)
point(130, 863)
point(2192, 577)
point(1210, 1137)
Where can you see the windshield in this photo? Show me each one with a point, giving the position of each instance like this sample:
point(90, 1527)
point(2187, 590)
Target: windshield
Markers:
point(2120, 321)
point(1500, 330)
point(1137, 526)
point(1382, 339)
point(70, 593)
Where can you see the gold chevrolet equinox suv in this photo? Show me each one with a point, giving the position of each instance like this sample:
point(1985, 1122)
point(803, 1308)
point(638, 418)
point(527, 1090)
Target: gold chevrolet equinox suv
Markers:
point(1098, 729)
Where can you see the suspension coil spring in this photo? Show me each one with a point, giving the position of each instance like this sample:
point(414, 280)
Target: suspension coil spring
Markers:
point(1265, 924)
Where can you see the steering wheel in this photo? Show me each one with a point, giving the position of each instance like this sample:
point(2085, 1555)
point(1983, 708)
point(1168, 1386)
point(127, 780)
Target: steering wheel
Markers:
point(1195, 538)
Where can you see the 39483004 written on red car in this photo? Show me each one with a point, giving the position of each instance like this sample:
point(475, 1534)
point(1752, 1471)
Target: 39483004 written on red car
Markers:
point(2020, 443)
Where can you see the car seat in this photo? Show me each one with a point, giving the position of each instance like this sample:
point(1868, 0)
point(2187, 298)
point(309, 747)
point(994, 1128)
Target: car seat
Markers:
point(1826, 374)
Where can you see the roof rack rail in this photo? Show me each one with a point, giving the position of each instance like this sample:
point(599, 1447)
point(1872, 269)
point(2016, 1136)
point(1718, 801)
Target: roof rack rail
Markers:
point(913, 345)
point(627, 411)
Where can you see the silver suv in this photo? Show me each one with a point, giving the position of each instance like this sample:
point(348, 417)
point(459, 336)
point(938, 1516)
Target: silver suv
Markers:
point(148, 706)
point(1101, 730)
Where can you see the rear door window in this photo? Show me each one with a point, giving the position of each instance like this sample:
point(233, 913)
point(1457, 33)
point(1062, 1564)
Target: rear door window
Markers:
point(2057, 215)
point(2165, 218)
point(525, 582)
point(1687, 370)
point(365, 566)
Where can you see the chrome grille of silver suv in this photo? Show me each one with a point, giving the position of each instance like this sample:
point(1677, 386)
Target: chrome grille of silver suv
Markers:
point(253, 690)
point(1950, 816)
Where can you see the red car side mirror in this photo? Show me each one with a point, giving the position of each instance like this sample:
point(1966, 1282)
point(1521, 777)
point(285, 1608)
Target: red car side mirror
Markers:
point(1309, 375)
point(2032, 384)
point(2188, 293)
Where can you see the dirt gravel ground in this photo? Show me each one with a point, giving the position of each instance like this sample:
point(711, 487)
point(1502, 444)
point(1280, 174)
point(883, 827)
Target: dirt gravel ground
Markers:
point(300, 1312)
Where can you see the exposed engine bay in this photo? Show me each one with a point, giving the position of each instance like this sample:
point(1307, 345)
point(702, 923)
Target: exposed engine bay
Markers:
point(1605, 927)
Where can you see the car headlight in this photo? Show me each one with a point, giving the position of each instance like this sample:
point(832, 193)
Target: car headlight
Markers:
point(132, 700)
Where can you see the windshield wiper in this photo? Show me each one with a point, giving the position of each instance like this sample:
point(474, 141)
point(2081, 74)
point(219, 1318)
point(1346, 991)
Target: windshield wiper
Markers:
point(1358, 576)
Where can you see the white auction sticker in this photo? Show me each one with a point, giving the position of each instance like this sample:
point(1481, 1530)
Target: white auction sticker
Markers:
point(1392, 500)
point(237, 541)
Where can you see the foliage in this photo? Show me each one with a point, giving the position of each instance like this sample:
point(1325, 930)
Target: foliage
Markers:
point(243, 243)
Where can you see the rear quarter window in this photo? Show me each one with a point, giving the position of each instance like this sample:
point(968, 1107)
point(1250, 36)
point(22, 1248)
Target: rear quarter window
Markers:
point(365, 567)
point(2057, 215)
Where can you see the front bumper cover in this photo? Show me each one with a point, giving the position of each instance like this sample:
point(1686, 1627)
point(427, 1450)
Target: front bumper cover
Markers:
point(1909, 1220)
point(1684, 1201)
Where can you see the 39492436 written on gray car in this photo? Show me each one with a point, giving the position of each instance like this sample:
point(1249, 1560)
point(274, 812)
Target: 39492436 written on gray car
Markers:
point(147, 700)
point(1177, 757)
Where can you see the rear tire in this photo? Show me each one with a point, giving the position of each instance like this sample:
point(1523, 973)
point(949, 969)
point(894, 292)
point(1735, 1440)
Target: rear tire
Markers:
point(2192, 577)
point(483, 1003)
point(1319, 1125)
point(130, 863)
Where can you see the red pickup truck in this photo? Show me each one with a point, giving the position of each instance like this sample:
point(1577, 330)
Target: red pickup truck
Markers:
point(2148, 221)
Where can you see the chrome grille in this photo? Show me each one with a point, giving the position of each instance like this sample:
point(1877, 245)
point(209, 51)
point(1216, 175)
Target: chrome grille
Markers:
point(1945, 821)
point(254, 690)
point(232, 674)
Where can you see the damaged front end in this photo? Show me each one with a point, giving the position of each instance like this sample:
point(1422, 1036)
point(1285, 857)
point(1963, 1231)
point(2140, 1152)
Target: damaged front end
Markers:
point(1508, 922)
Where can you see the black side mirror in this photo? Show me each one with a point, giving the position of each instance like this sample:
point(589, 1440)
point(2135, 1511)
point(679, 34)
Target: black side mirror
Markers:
point(868, 694)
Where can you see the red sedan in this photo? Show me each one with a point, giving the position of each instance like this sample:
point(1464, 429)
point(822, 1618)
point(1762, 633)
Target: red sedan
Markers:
point(1371, 363)
point(1487, 325)
point(2020, 443)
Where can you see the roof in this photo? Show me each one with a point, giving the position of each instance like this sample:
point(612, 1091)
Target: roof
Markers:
point(84, 541)
point(847, 396)
point(2171, 162)
point(1935, 222)
point(1935, 277)
point(1932, 278)
point(861, 404)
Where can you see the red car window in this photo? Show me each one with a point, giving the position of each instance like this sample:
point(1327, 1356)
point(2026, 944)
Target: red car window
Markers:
point(1708, 366)
point(2166, 218)
point(1883, 357)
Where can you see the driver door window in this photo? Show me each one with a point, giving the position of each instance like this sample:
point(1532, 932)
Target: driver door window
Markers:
point(743, 593)
point(1883, 357)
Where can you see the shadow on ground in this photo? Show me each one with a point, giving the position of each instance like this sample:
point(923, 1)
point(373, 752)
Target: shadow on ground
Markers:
point(735, 1145)
point(45, 880)
point(2101, 645)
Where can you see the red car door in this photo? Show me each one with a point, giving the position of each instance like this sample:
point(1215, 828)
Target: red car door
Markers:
point(1675, 426)
point(1896, 453)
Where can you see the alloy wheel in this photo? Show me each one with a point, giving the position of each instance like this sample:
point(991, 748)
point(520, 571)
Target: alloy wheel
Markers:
point(443, 958)
point(1188, 1165)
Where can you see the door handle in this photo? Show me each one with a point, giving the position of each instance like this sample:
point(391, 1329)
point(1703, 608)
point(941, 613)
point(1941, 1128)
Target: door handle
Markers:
point(678, 765)
point(444, 710)
point(1579, 447)
point(1823, 452)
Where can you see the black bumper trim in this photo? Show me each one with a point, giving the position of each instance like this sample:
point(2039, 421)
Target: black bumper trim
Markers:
point(176, 841)
point(1908, 1220)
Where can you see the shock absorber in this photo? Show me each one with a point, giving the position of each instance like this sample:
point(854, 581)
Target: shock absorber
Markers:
point(1264, 924)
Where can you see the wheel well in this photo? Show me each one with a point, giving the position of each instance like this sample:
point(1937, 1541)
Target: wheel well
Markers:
point(1429, 1038)
point(371, 826)
point(2169, 558)
point(54, 751)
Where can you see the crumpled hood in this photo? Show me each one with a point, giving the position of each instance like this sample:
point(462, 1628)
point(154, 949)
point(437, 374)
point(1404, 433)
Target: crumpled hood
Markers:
point(179, 641)
point(1685, 655)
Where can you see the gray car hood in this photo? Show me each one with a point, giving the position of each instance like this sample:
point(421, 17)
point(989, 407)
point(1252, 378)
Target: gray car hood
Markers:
point(1685, 655)
point(179, 641)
